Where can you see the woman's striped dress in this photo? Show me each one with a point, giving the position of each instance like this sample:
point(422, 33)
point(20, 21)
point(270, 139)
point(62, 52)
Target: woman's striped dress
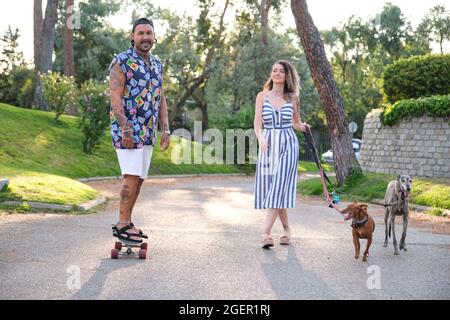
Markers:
point(276, 171)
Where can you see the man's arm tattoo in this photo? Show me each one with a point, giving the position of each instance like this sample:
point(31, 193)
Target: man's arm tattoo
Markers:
point(163, 114)
point(116, 87)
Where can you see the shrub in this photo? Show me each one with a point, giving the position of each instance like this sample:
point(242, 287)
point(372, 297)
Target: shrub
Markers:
point(94, 104)
point(435, 106)
point(17, 87)
point(59, 91)
point(415, 77)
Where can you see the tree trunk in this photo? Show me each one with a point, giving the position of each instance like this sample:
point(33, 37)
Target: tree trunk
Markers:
point(201, 103)
point(178, 103)
point(44, 32)
point(205, 118)
point(344, 156)
point(264, 12)
point(37, 28)
point(48, 36)
point(195, 83)
point(67, 35)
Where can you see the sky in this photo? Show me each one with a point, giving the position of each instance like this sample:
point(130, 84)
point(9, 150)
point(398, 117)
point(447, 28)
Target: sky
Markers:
point(325, 13)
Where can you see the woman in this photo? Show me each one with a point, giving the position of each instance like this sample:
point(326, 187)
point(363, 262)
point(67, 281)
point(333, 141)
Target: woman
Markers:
point(277, 108)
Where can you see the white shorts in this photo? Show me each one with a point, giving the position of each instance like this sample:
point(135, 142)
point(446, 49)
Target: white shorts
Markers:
point(135, 162)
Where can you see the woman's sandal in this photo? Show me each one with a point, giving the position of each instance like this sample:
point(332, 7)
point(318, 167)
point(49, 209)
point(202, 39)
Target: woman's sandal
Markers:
point(284, 240)
point(267, 243)
point(122, 234)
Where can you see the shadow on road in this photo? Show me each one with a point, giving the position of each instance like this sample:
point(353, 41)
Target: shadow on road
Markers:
point(92, 288)
point(290, 281)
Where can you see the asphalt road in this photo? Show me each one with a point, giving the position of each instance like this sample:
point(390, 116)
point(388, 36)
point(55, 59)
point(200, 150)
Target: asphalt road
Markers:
point(205, 243)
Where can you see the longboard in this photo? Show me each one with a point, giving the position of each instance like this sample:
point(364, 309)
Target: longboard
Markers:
point(128, 249)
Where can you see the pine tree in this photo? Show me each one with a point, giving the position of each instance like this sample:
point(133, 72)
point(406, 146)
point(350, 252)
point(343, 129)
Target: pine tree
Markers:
point(11, 56)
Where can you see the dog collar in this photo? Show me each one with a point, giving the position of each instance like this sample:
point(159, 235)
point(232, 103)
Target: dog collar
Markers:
point(359, 224)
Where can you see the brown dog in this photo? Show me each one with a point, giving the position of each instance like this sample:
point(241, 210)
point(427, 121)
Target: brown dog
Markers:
point(363, 226)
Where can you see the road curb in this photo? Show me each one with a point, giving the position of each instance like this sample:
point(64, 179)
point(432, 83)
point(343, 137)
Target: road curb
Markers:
point(167, 176)
point(58, 207)
point(90, 204)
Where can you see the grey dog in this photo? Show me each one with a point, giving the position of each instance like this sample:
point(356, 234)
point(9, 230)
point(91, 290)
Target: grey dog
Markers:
point(396, 204)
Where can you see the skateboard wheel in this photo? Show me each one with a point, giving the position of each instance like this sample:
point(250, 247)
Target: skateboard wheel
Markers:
point(114, 254)
point(118, 246)
point(144, 246)
point(142, 254)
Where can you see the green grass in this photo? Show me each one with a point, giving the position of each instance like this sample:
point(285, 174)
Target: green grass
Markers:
point(40, 157)
point(31, 141)
point(436, 212)
point(308, 166)
point(433, 193)
point(48, 188)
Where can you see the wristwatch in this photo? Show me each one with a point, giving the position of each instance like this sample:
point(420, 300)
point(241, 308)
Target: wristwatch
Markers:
point(167, 131)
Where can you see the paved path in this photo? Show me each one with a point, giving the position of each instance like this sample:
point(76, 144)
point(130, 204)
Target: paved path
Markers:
point(205, 244)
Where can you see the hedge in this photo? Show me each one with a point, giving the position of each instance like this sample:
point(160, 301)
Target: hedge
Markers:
point(435, 106)
point(415, 77)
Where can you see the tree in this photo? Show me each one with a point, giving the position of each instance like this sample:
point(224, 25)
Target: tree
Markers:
point(352, 46)
point(343, 154)
point(37, 31)
point(190, 56)
point(44, 32)
point(95, 41)
point(437, 25)
point(11, 57)
point(67, 35)
point(48, 36)
point(262, 12)
point(14, 76)
point(392, 30)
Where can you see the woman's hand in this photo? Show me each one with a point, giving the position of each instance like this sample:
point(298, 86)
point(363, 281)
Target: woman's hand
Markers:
point(304, 126)
point(263, 145)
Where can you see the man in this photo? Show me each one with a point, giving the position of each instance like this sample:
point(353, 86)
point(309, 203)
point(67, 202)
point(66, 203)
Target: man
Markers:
point(137, 102)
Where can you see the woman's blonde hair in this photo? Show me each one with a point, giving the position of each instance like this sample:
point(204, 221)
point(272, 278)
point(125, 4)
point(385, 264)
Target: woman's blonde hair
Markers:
point(291, 85)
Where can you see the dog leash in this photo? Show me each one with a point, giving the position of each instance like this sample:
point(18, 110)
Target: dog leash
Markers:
point(323, 177)
point(311, 144)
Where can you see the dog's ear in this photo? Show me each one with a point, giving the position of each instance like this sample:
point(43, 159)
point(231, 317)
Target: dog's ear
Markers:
point(398, 177)
point(354, 201)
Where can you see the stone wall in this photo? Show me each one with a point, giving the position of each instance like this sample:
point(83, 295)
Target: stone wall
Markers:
point(419, 147)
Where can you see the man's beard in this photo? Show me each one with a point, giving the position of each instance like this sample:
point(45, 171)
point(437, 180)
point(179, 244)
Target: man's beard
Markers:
point(140, 46)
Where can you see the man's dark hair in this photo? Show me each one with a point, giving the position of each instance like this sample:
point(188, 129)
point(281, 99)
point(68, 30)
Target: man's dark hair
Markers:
point(142, 21)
